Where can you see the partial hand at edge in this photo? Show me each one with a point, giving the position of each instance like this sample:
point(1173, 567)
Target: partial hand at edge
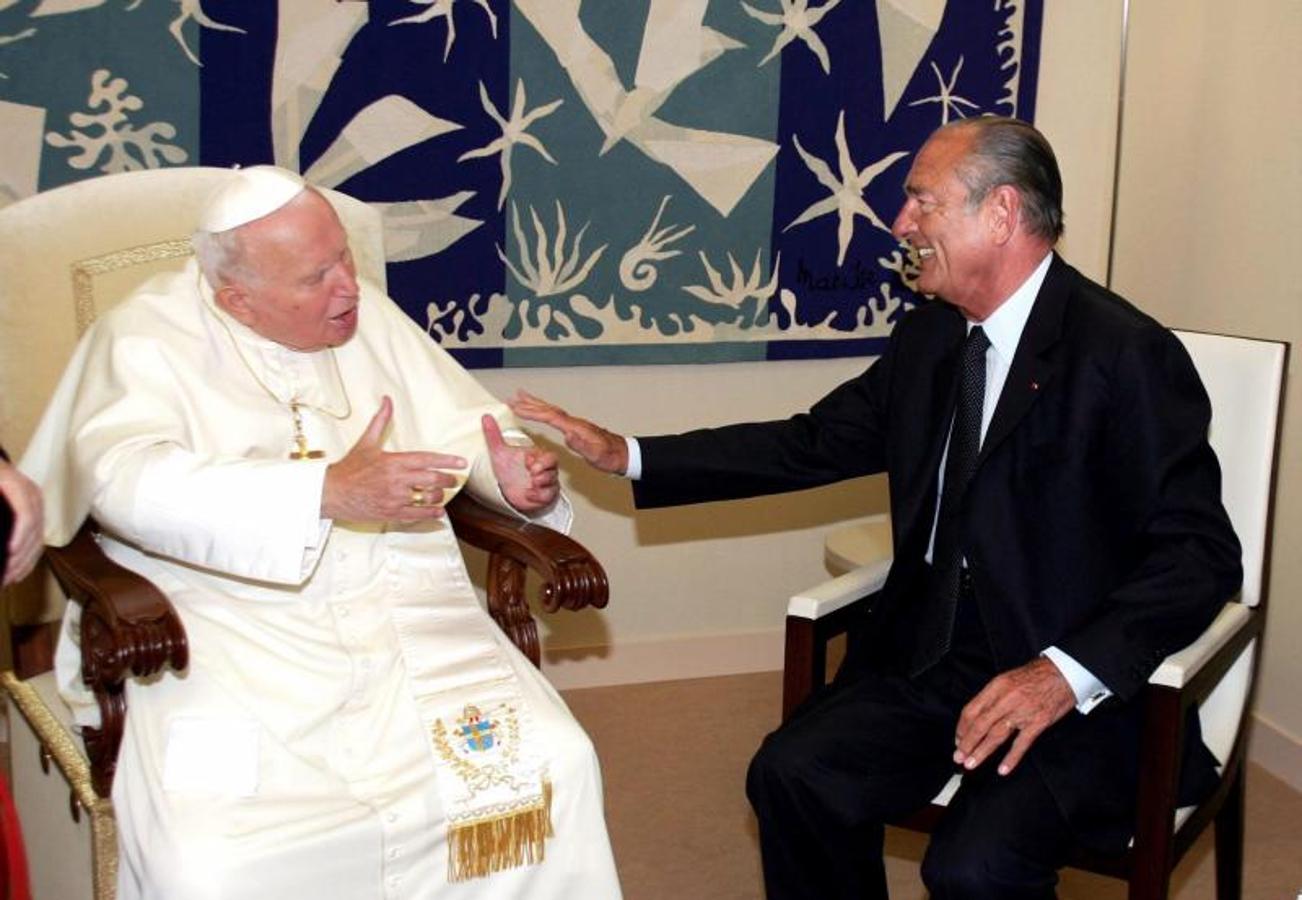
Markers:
point(27, 540)
point(600, 448)
point(527, 476)
point(1025, 700)
point(371, 485)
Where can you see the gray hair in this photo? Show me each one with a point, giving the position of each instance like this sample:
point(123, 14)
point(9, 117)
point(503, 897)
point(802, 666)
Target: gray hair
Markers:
point(221, 256)
point(1012, 152)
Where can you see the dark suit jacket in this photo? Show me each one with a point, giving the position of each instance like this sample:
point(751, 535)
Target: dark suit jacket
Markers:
point(1093, 521)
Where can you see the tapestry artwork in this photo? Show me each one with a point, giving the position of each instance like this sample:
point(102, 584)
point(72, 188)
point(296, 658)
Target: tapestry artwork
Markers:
point(563, 182)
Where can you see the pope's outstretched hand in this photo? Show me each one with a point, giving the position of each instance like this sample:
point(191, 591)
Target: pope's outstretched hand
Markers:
point(527, 476)
point(372, 485)
point(602, 449)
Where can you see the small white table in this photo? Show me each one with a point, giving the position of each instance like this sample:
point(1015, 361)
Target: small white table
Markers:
point(858, 544)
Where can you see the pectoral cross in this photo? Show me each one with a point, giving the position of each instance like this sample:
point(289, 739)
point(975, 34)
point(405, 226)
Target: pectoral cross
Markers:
point(300, 450)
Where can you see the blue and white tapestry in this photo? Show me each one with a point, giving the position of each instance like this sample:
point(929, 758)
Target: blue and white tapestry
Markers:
point(562, 181)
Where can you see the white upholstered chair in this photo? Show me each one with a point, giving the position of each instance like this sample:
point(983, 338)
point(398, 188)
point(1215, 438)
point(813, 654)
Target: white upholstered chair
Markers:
point(1244, 379)
point(66, 256)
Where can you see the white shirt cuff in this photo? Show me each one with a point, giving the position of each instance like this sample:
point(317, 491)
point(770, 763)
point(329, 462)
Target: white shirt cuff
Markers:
point(634, 470)
point(1089, 691)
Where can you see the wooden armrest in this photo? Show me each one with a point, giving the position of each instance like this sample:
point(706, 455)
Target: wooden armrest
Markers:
point(127, 627)
point(829, 596)
point(571, 576)
point(816, 615)
point(1185, 679)
point(1226, 630)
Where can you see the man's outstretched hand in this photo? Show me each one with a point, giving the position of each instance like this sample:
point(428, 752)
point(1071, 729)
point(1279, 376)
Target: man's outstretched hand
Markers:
point(371, 485)
point(602, 449)
point(527, 476)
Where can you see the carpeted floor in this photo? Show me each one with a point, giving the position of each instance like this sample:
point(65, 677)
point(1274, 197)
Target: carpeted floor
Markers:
point(674, 756)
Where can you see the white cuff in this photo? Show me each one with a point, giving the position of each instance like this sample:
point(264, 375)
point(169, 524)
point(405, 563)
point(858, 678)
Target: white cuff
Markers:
point(1089, 691)
point(558, 517)
point(634, 470)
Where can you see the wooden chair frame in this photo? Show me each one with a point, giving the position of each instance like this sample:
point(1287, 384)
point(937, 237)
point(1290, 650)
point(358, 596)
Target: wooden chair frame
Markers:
point(129, 628)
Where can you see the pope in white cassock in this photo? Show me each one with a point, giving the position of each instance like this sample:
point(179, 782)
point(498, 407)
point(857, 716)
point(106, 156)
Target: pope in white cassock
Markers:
point(271, 443)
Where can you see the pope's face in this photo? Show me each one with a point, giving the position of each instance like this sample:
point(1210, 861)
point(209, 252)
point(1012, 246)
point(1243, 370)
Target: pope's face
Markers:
point(950, 239)
point(301, 290)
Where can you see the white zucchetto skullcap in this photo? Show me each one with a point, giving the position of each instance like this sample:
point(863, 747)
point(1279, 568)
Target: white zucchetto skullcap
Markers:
point(248, 195)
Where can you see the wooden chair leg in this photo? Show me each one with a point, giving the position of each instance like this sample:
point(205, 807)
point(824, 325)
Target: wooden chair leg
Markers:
point(1229, 841)
point(1154, 852)
point(804, 665)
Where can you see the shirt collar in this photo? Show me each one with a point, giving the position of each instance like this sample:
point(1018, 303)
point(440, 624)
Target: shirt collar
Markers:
point(1004, 326)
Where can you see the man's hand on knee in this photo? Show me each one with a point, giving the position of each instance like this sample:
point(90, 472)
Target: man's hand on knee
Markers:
point(1023, 701)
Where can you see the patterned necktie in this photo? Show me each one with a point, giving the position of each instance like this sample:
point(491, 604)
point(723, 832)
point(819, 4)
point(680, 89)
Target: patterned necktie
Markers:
point(947, 552)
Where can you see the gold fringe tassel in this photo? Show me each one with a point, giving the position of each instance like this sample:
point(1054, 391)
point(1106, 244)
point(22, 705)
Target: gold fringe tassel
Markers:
point(476, 849)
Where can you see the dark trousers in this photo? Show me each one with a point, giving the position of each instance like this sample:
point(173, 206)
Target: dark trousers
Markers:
point(871, 748)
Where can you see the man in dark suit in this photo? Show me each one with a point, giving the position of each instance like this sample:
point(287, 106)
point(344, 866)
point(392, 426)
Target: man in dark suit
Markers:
point(1058, 531)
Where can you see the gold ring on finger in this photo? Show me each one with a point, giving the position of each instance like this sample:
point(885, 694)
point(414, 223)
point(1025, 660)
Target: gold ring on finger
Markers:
point(417, 496)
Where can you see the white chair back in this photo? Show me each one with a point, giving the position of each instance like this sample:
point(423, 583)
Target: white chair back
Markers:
point(1244, 378)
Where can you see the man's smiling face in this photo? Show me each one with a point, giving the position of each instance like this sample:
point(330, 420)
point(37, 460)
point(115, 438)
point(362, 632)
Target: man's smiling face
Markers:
point(950, 237)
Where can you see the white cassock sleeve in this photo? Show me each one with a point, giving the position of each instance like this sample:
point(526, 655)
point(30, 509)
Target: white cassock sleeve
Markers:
point(134, 435)
point(255, 519)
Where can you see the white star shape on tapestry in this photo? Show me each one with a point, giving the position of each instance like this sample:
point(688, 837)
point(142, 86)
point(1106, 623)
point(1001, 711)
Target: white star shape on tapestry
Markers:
point(947, 99)
point(846, 198)
point(443, 8)
point(514, 131)
point(797, 21)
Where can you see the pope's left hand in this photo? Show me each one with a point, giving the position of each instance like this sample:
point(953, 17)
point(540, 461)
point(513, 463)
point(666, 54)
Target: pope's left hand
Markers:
point(1025, 700)
point(527, 476)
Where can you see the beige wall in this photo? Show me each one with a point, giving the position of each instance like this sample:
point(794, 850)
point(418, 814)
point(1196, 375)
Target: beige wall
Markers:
point(1209, 219)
